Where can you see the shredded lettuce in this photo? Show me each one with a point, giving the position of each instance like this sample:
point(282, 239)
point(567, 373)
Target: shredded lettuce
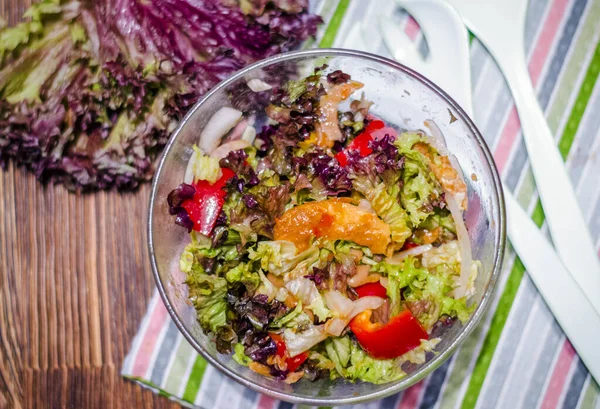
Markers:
point(424, 292)
point(418, 354)
point(399, 277)
point(266, 287)
point(420, 186)
point(279, 256)
point(208, 295)
point(384, 200)
point(407, 140)
point(306, 291)
point(298, 340)
point(447, 254)
point(343, 357)
point(440, 218)
point(202, 167)
point(239, 356)
point(353, 363)
point(242, 273)
point(291, 319)
point(195, 255)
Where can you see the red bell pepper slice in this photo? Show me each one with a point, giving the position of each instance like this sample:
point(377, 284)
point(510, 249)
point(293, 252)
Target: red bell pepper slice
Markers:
point(399, 335)
point(375, 129)
point(374, 289)
point(204, 208)
point(378, 130)
point(392, 339)
point(292, 363)
point(409, 245)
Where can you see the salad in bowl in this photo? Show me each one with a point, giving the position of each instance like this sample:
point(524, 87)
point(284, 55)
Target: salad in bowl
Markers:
point(324, 242)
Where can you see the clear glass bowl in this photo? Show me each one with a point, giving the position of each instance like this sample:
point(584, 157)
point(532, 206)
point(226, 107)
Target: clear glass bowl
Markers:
point(401, 97)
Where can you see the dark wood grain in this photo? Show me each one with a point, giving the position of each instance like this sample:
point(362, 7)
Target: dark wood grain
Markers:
point(74, 285)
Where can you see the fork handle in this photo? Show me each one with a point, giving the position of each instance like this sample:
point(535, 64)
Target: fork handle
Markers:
point(569, 231)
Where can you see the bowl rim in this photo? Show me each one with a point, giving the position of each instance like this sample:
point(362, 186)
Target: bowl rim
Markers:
point(500, 240)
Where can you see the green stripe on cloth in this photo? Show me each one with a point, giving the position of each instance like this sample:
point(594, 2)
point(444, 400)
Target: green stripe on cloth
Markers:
point(178, 368)
point(587, 87)
point(460, 369)
point(590, 395)
point(491, 340)
point(573, 69)
point(334, 25)
point(195, 379)
point(538, 215)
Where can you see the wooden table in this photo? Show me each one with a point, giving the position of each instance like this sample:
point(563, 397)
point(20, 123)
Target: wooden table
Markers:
point(74, 283)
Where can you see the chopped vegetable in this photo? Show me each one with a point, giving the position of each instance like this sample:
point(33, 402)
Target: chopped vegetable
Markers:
point(371, 289)
point(390, 340)
point(332, 219)
point(292, 362)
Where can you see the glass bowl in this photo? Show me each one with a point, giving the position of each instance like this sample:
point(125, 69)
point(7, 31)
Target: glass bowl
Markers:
point(401, 97)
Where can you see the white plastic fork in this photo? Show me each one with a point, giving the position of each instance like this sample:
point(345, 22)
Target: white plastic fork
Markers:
point(500, 25)
point(444, 31)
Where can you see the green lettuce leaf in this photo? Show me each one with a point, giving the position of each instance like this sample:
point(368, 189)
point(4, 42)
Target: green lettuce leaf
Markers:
point(279, 256)
point(306, 291)
point(423, 291)
point(440, 218)
point(384, 200)
point(196, 254)
point(297, 319)
point(239, 356)
point(242, 273)
point(203, 167)
point(420, 187)
point(208, 294)
point(352, 363)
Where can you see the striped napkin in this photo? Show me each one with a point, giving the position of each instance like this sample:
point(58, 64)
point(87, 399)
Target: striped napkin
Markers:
point(518, 356)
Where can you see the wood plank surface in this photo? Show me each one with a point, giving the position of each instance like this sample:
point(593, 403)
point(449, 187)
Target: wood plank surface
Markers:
point(74, 284)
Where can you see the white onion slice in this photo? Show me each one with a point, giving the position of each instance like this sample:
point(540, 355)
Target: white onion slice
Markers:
point(249, 134)
point(369, 302)
point(415, 251)
point(464, 243)
point(436, 132)
point(464, 246)
point(362, 276)
point(347, 310)
point(258, 85)
point(223, 150)
point(236, 132)
point(337, 302)
point(335, 326)
point(365, 205)
point(188, 177)
point(218, 125)
point(438, 141)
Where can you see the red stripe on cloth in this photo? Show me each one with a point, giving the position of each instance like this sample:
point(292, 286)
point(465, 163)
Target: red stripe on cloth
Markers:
point(149, 339)
point(536, 64)
point(412, 28)
point(512, 126)
point(559, 377)
point(412, 396)
point(265, 402)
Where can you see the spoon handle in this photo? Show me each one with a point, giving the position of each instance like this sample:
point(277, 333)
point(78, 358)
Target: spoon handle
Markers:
point(568, 228)
point(563, 295)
